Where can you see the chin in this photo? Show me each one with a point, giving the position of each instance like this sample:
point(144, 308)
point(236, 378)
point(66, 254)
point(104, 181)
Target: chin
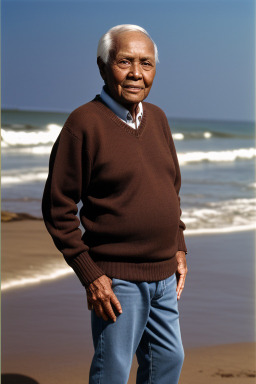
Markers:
point(133, 99)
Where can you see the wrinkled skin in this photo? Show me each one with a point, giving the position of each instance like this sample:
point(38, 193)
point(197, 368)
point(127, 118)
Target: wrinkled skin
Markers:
point(101, 297)
point(181, 272)
point(128, 75)
point(131, 69)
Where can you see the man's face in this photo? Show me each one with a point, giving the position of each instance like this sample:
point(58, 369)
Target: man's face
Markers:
point(130, 71)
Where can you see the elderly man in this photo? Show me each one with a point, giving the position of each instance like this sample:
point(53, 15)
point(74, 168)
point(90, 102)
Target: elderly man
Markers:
point(116, 154)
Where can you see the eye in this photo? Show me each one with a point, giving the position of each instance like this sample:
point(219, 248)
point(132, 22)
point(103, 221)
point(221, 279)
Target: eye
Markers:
point(146, 65)
point(124, 62)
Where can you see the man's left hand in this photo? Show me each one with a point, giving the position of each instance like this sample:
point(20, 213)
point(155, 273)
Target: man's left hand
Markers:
point(181, 273)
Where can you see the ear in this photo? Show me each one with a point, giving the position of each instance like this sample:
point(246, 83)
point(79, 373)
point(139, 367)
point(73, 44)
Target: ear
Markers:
point(102, 68)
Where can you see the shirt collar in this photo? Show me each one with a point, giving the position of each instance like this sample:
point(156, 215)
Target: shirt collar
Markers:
point(120, 110)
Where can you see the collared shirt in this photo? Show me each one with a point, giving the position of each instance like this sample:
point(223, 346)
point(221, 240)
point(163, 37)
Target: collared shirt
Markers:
point(121, 111)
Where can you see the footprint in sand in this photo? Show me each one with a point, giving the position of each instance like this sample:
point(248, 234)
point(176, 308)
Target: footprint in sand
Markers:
point(235, 374)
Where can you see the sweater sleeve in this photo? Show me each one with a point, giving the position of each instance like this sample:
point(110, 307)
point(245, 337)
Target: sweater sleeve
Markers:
point(69, 176)
point(177, 185)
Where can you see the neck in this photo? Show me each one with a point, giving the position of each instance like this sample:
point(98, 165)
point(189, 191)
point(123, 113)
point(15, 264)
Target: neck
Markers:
point(132, 108)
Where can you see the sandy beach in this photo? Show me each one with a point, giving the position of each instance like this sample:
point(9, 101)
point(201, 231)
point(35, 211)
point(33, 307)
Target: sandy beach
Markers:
point(46, 326)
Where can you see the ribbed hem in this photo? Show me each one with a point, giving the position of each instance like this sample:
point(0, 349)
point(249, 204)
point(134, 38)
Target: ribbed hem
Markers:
point(181, 242)
point(85, 268)
point(151, 271)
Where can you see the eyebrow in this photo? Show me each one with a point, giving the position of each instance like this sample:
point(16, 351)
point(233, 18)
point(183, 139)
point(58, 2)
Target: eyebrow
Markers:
point(132, 58)
point(147, 58)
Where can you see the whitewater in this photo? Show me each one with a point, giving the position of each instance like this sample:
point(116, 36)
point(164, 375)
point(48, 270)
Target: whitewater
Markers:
point(217, 161)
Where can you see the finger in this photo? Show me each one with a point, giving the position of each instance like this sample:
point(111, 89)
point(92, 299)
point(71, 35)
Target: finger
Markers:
point(180, 286)
point(177, 279)
point(114, 300)
point(109, 310)
point(100, 312)
point(180, 283)
point(180, 292)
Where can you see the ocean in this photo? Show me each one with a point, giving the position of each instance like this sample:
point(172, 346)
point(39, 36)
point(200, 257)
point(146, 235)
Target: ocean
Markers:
point(217, 161)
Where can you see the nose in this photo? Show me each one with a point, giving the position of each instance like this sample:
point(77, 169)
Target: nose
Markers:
point(135, 71)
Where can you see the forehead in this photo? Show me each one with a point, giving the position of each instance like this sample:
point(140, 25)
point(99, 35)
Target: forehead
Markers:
point(133, 43)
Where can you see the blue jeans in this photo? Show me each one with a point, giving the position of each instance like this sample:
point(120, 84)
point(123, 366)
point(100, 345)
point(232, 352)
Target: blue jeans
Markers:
point(149, 326)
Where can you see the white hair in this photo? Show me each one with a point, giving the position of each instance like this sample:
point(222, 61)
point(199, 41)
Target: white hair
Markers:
point(106, 41)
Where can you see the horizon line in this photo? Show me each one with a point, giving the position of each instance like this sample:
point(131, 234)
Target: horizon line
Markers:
point(17, 109)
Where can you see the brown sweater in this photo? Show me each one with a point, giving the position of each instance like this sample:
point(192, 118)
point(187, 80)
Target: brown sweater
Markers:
point(128, 181)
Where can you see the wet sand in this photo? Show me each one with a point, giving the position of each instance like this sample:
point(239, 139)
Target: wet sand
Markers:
point(46, 327)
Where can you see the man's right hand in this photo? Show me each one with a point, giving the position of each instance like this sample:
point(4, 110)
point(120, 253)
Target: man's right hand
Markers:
point(100, 296)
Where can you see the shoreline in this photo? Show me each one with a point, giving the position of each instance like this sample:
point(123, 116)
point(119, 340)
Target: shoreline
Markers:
point(42, 248)
point(219, 290)
point(46, 327)
point(8, 217)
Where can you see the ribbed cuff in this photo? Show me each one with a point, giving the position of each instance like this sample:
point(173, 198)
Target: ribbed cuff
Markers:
point(181, 242)
point(85, 268)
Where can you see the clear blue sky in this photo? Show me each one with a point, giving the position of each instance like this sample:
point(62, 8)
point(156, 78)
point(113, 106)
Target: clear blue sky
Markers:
point(206, 51)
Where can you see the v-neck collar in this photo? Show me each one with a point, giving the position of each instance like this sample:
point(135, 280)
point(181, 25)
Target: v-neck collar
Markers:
point(135, 132)
point(120, 110)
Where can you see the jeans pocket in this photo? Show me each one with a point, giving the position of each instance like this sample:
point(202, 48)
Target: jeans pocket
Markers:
point(115, 281)
point(171, 279)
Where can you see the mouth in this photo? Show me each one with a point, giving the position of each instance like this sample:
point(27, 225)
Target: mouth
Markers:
point(133, 88)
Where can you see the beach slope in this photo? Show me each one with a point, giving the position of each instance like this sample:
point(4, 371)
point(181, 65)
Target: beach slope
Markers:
point(46, 323)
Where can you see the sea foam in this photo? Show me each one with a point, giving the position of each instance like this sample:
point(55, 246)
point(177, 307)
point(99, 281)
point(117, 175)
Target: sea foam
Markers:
point(22, 176)
point(221, 216)
point(37, 279)
point(24, 138)
point(217, 156)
